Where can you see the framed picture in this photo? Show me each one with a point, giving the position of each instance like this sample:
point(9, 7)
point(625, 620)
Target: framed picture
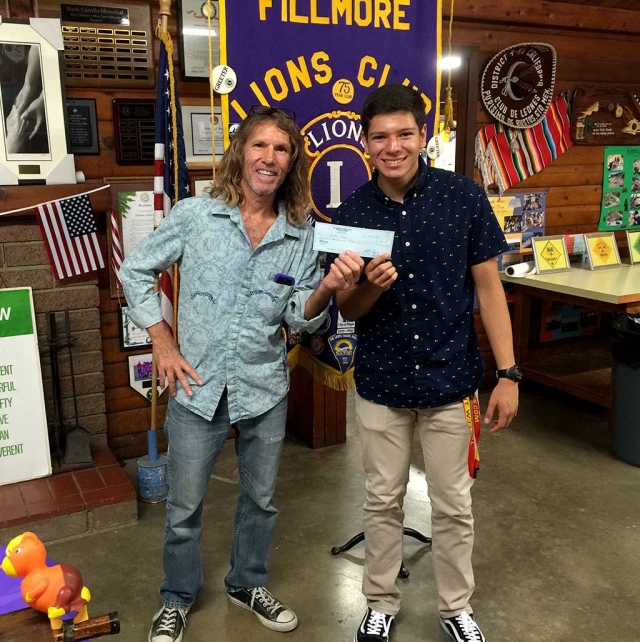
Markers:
point(83, 126)
point(132, 205)
point(633, 238)
point(140, 375)
point(131, 336)
point(108, 45)
point(514, 241)
point(193, 24)
point(199, 127)
point(198, 182)
point(134, 125)
point(33, 131)
point(550, 254)
point(602, 250)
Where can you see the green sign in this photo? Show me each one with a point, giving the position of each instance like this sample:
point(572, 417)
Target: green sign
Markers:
point(24, 440)
point(15, 313)
point(621, 189)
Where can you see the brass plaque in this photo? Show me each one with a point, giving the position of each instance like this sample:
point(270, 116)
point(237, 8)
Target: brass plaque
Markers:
point(97, 29)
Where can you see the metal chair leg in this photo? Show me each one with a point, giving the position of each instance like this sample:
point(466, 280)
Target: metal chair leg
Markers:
point(356, 539)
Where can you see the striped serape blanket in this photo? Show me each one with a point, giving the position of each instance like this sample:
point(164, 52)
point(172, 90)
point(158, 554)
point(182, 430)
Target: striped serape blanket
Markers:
point(507, 156)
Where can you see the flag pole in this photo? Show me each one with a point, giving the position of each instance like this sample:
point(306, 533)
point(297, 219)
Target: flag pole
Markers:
point(165, 12)
point(152, 483)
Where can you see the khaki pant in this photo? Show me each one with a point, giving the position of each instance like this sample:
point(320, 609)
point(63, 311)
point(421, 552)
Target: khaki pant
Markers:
point(386, 435)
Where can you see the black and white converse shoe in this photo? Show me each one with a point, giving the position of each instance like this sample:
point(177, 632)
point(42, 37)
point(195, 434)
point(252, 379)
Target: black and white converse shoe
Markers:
point(168, 625)
point(462, 628)
point(271, 612)
point(374, 627)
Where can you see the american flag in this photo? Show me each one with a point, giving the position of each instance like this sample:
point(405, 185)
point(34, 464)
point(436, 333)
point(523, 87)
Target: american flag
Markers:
point(70, 236)
point(166, 190)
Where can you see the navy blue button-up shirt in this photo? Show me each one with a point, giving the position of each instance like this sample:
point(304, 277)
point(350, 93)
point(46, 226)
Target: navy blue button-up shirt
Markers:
point(417, 347)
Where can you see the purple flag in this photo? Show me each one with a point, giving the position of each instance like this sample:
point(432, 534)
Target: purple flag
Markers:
point(320, 59)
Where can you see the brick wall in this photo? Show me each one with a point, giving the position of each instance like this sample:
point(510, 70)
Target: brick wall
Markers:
point(24, 262)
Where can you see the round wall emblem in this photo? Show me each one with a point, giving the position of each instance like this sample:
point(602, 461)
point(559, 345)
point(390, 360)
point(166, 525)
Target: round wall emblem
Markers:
point(223, 79)
point(517, 84)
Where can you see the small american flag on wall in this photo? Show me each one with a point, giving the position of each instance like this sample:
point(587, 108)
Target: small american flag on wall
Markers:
point(70, 236)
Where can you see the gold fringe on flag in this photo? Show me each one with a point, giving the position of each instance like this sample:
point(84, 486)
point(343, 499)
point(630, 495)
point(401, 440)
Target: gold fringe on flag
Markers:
point(320, 371)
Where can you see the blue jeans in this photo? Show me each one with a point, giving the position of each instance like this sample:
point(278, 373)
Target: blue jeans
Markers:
point(194, 445)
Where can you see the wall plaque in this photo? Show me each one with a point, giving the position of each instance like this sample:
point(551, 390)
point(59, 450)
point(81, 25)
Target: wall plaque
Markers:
point(134, 126)
point(82, 126)
point(97, 15)
point(193, 23)
point(517, 84)
point(605, 116)
point(107, 43)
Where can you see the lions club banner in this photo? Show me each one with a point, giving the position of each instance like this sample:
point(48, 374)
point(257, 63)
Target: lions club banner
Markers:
point(320, 59)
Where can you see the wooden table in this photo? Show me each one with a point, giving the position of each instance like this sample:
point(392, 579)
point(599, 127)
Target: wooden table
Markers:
point(581, 367)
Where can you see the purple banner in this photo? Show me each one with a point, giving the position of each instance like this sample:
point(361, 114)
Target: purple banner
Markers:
point(320, 59)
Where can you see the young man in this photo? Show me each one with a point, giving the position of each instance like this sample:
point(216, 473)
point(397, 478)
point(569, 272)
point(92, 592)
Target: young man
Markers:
point(418, 363)
point(246, 264)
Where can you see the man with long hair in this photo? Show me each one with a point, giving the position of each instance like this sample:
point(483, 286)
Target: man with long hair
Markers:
point(246, 263)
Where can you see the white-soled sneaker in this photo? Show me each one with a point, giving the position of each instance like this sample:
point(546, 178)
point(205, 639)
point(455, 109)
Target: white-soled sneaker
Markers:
point(168, 625)
point(462, 628)
point(374, 627)
point(271, 612)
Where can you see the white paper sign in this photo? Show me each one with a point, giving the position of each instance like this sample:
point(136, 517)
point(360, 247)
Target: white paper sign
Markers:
point(364, 241)
point(24, 439)
point(138, 218)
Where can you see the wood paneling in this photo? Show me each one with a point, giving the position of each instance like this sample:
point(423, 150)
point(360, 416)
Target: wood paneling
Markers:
point(533, 14)
point(317, 414)
point(574, 181)
point(596, 42)
point(612, 4)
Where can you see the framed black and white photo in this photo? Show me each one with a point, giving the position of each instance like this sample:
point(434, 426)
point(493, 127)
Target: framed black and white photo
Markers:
point(83, 126)
point(131, 336)
point(193, 23)
point(198, 128)
point(33, 128)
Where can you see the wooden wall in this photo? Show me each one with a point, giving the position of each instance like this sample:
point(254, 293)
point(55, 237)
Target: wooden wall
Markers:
point(128, 413)
point(595, 45)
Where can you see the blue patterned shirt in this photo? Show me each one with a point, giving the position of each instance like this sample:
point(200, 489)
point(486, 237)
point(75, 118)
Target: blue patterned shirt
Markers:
point(417, 347)
point(230, 310)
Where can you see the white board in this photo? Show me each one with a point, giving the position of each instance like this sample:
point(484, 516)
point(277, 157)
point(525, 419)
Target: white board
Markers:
point(24, 439)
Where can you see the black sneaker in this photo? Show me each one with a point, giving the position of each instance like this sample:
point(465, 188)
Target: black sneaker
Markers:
point(168, 625)
point(271, 612)
point(374, 627)
point(462, 628)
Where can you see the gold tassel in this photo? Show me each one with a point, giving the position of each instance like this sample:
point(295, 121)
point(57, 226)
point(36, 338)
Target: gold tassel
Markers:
point(449, 123)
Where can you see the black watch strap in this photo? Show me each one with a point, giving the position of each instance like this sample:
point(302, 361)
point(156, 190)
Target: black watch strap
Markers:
point(513, 373)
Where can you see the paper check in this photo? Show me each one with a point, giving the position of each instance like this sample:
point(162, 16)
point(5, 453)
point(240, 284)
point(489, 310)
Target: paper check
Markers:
point(364, 241)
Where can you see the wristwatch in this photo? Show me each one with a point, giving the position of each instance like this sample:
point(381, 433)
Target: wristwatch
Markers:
point(513, 373)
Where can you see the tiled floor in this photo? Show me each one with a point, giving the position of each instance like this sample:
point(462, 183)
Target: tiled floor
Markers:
point(66, 493)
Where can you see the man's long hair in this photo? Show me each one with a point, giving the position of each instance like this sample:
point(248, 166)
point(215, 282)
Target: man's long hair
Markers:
point(294, 193)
